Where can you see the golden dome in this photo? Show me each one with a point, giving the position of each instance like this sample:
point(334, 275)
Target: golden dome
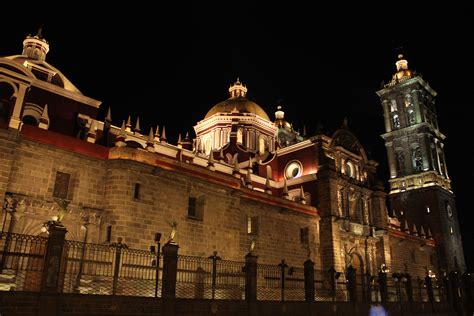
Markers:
point(239, 102)
point(242, 104)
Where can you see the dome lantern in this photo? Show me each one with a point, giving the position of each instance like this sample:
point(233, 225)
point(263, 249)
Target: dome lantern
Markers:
point(237, 90)
point(36, 47)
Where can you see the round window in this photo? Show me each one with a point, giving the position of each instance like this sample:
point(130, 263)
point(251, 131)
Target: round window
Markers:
point(449, 210)
point(293, 170)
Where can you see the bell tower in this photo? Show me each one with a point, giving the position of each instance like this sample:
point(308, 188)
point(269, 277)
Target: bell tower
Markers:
point(420, 188)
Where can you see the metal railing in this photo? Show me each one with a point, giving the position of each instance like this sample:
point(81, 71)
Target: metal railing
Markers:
point(115, 269)
point(110, 270)
point(21, 261)
point(210, 278)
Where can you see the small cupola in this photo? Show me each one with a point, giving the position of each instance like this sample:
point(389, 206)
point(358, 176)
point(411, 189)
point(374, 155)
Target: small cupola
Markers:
point(237, 90)
point(36, 47)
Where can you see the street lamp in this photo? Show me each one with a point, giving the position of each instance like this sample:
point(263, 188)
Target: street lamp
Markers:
point(157, 275)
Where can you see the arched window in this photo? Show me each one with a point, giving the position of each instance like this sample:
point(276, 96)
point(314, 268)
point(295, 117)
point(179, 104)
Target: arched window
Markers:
point(261, 145)
point(417, 159)
point(410, 109)
point(349, 169)
point(395, 120)
point(240, 136)
point(30, 120)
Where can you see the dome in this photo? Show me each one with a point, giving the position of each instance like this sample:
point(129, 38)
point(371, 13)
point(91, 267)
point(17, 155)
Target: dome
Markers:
point(242, 104)
point(238, 101)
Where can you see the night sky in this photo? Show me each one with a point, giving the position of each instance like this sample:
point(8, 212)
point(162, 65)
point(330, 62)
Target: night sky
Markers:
point(171, 65)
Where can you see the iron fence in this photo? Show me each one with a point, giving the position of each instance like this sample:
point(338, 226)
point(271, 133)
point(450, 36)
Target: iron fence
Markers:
point(115, 269)
point(110, 270)
point(21, 261)
point(210, 278)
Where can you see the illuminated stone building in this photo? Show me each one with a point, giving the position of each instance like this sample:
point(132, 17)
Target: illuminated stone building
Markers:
point(244, 178)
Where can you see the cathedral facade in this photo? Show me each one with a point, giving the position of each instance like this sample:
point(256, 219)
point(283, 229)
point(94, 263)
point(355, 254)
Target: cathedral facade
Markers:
point(245, 181)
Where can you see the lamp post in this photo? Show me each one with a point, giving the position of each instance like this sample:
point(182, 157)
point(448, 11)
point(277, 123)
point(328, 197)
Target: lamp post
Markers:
point(81, 264)
point(157, 273)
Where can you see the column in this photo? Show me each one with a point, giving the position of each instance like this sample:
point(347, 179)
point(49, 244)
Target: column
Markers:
point(15, 119)
point(438, 163)
point(251, 283)
point(386, 115)
point(391, 160)
point(309, 280)
point(425, 146)
point(52, 262)
point(444, 161)
point(418, 111)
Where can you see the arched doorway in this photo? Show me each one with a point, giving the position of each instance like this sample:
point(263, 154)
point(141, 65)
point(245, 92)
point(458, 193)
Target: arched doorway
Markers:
point(357, 263)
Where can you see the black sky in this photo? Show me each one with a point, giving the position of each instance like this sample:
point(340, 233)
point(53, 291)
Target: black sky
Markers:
point(172, 64)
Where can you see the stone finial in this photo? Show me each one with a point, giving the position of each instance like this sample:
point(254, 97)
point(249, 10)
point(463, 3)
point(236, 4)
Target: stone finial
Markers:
point(120, 139)
point(268, 188)
point(180, 142)
point(422, 232)
point(414, 230)
point(285, 190)
point(150, 145)
point(236, 169)
point(248, 180)
point(429, 235)
point(304, 131)
point(210, 162)
point(163, 135)
point(137, 126)
point(44, 119)
point(128, 126)
point(108, 117)
point(302, 197)
point(157, 133)
point(405, 228)
point(187, 136)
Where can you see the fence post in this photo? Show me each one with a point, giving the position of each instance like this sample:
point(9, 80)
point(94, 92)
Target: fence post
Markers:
point(429, 288)
point(309, 280)
point(447, 290)
point(282, 266)
point(409, 287)
point(170, 270)
point(467, 285)
point(214, 258)
point(50, 285)
point(251, 282)
point(455, 290)
point(351, 283)
point(383, 287)
point(118, 253)
point(169, 277)
point(53, 258)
